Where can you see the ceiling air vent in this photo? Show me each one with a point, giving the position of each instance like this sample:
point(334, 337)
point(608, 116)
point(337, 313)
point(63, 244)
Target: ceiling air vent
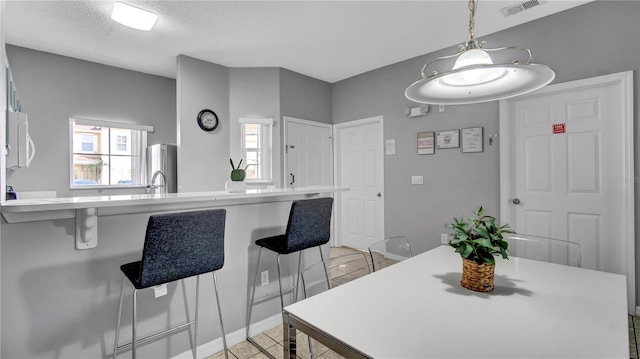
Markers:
point(518, 8)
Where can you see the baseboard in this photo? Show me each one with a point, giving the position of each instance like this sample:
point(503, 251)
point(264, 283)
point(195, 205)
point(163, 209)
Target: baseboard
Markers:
point(238, 336)
point(637, 311)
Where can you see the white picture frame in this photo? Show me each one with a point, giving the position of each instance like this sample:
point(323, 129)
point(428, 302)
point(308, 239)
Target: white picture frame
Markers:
point(448, 139)
point(472, 139)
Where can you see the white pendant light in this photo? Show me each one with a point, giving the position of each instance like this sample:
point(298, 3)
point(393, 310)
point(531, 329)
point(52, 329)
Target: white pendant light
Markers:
point(476, 78)
point(133, 17)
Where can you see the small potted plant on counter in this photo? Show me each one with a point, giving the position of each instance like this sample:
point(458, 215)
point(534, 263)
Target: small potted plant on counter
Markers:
point(478, 238)
point(237, 174)
point(236, 185)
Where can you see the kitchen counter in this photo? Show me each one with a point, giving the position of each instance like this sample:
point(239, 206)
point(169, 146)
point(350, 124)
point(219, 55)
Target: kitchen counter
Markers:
point(86, 210)
point(27, 210)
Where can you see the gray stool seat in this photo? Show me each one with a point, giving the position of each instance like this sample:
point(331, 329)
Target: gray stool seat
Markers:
point(177, 246)
point(276, 244)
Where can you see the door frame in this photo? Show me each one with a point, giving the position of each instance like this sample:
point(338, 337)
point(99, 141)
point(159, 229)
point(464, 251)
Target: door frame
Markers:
point(379, 120)
point(286, 120)
point(624, 81)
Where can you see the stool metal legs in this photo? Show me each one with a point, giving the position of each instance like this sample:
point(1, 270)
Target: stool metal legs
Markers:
point(135, 341)
point(194, 346)
point(134, 325)
point(115, 346)
point(253, 293)
point(224, 336)
point(253, 300)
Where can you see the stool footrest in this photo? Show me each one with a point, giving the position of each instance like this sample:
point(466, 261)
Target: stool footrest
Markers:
point(264, 298)
point(155, 335)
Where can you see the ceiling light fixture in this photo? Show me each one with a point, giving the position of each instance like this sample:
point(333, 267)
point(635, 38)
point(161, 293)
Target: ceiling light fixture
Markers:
point(475, 78)
point(133, 17)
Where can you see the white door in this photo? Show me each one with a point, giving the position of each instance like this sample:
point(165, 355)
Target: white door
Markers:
point(308, 148)
point(360, 166)
point(567, 169)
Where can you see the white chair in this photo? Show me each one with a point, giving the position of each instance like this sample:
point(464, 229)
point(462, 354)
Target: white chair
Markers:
point(389, 251)
point(325, 275)
point(544, 249)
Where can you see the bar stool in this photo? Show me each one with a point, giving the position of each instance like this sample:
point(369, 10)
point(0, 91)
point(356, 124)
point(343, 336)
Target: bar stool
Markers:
point(176, 246)
point(309, 226)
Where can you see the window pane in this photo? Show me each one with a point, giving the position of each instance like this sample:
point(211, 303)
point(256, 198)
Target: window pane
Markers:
point(120, 170)
point(121, 143)
point(253, 171)
point(90, 170)
point(251, 128)
point(251, 142)
point(120, 139)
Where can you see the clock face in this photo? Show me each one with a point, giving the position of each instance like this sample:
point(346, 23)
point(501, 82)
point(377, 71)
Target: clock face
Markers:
point(207, 120)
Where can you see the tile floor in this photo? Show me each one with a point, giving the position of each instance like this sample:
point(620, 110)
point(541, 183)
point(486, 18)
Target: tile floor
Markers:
point(272, 338)
point(634, 336)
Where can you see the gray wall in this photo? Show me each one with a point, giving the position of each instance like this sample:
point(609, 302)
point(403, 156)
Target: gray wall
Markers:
point(255, 93)
point(54, 88)
point(203, 157)
point(594, 39)
point(304, 97)
point(251, 92)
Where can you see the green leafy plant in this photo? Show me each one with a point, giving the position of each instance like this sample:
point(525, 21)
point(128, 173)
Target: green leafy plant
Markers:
point(479, 237)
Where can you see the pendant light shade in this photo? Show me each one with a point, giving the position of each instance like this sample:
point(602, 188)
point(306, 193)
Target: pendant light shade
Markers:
point(476, 78)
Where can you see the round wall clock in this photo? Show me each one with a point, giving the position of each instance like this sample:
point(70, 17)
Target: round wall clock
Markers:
point(207, 120)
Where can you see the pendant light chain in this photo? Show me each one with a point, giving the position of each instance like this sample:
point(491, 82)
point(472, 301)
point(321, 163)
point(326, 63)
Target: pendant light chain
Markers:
point(472, 13)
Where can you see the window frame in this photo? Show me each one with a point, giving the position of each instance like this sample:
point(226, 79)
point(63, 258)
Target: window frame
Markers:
point(265, 150)
point(111, 147)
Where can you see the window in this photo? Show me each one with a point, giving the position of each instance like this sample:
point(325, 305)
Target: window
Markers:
point(88, 142)
point(121, 143)
point(105, 153)
point(256, 136)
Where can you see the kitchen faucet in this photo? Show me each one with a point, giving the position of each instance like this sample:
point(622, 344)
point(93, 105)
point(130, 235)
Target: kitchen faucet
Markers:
point(153, 182)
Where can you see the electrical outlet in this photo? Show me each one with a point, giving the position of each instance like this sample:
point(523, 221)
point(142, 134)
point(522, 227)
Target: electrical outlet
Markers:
point(440, 108)
point(444, 238)
point(417, 180)
point(160, 290)
point(264, 278)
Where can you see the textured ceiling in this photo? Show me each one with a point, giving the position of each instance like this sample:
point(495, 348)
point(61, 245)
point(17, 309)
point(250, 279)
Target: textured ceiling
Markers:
point(327, 40)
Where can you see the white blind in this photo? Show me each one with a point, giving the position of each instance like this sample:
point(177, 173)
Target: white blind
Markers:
point(260, 121)
point(113, 124)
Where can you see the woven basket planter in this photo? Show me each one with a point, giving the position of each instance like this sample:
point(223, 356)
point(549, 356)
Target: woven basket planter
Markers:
point(477, 277)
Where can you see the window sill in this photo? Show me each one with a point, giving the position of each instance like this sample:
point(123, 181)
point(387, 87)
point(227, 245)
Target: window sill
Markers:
point(107, 187)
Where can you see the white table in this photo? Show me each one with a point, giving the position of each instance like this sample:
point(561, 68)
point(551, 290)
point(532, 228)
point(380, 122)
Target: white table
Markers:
point(417, 309)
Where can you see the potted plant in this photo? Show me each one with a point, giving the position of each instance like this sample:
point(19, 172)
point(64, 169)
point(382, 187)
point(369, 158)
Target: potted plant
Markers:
point(478, 238)
point(237, 174)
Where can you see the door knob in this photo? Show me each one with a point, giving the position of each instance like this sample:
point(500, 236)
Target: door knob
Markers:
point(379, 194)
point(515, 201)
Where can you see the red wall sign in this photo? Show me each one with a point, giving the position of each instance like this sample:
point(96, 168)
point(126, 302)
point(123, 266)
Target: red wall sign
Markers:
point(559, 128)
